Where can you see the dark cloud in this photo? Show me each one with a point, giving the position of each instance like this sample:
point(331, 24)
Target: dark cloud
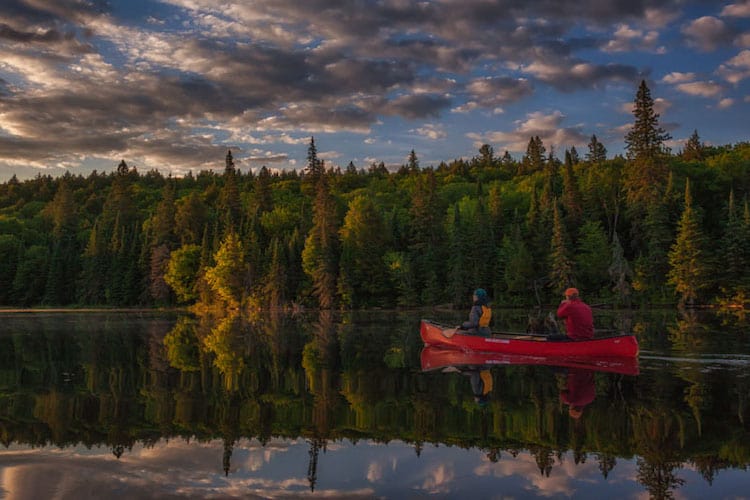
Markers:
point(418, 106)
point(9, 33)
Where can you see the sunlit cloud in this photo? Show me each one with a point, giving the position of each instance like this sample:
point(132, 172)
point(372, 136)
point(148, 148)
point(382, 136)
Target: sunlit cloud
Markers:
point(702, 89)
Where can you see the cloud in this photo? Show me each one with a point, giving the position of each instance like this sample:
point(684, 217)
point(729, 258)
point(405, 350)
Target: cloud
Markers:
point(491, 92)
point(736, 10)
point(702, 89)
point(677, 77)
point(547, 126)
point(707, 33)
point(628, 39)
point(431, 131)
point(725, 103)
point(737, 68)
point(573, 75)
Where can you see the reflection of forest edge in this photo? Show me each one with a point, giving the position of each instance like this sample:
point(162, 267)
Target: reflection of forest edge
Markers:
point(116, 382)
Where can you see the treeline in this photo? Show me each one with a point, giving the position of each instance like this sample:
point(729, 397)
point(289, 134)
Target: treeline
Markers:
point(653, 226)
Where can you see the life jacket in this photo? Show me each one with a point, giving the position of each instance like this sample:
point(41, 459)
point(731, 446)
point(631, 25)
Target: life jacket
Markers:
point(484, 319)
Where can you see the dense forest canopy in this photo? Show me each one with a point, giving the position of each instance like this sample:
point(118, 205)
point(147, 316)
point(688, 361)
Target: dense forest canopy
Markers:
point(654, 226)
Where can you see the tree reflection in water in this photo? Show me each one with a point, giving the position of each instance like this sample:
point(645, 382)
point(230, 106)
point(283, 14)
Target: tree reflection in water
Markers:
point(326, 378)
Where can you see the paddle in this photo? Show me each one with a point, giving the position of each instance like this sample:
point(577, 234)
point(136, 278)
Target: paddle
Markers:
point(448, 332)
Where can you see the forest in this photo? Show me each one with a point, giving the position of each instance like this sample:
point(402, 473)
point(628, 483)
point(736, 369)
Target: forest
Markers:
point(652, 226)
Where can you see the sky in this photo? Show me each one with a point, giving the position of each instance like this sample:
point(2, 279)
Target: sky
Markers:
point(173, 84)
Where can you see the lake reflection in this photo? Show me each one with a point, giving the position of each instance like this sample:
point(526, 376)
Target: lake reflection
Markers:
point(147, 406)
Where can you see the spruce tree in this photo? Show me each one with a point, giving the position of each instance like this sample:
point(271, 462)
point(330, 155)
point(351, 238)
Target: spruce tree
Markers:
point(597, 152)
point(687, 258)
point(647, 169)
point(732, 253)
point(561, 266)
point(693, 148)
point(320, 255)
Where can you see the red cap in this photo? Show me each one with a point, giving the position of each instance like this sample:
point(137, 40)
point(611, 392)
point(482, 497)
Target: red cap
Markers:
point(571, 291)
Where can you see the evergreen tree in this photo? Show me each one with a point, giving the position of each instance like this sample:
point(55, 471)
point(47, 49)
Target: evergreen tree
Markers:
point(31, 276)
point(693, 148)
point(597, 152)
point(320, 255)
point(427, 237)
point(363, 273)
point(486, 155)
point(275, 283)
point(647, 170)
point(191, 218)
point(412, 163)
point(592, 259)
point(516, 267)
point(229, 164)
point(230, 204)
point(620, 273)
point(459, 282)
point(533, 160)
point(10, 251)
point(571, 195)
point(688, 270)
point(733, 253)
point(561, 264)
point(64, 264)
point(315, 168)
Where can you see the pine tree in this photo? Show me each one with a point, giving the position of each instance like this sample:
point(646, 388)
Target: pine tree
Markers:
point(515, 265)
point(693, 148)
point(571, 195)
point(560, 263)
point(229, 163)
point(427, 237)
point(688, 270)
point(191, 218)
point(459, 282)
point(620, 273)
point(732, 252)
point(592, 258)
point(533, 160)
point(64, 264)
point(412, 163)
point(315, 168)
point(275, 282)
point(597, 152)
point(647, 170)
point(363, 273)
point(320, 255)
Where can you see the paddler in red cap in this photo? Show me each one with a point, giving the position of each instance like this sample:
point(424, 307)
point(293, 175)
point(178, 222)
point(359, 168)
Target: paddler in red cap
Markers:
point(579, 321)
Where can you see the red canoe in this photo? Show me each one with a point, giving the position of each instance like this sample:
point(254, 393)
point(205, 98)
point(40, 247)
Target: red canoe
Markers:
point(612, 346)
point(436, 358)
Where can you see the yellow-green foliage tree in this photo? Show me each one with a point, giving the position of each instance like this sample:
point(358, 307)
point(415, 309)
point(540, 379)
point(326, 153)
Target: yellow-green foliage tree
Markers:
point(226, 277)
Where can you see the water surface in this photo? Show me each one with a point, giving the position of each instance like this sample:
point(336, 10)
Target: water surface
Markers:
point(157, 406)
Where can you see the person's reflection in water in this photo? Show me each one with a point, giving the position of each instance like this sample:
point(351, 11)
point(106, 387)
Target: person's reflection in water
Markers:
point(579, 391)
point(480, 379)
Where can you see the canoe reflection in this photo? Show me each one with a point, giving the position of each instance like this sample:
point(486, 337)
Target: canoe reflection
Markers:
point(435, 358)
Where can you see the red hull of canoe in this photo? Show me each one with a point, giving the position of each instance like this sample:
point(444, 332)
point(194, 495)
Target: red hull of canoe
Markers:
point(617, 346)
point(436, 358)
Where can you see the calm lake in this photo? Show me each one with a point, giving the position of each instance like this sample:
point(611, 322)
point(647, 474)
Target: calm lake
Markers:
point(147, 405)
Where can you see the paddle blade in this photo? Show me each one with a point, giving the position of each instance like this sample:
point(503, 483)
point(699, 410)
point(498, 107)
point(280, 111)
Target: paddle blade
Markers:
point(449, 332)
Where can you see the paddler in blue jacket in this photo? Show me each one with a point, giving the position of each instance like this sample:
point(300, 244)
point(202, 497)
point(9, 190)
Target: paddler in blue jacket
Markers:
point(479, 316)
